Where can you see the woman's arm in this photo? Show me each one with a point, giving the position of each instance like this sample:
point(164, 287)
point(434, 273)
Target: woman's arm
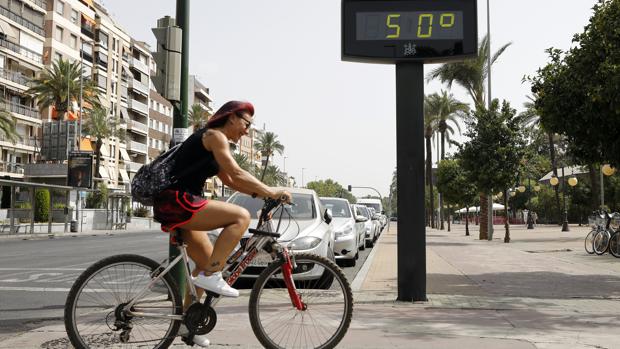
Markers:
point(230, 173)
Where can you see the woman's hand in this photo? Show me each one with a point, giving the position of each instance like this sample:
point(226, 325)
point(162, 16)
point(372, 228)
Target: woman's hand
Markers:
point(282, 195)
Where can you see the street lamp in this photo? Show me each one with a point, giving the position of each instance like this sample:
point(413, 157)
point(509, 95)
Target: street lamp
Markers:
point(556, 182)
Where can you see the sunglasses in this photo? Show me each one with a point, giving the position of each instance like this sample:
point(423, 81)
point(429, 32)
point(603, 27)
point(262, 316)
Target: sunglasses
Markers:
point(247, 122)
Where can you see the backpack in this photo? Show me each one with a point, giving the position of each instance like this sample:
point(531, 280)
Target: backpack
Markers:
point(154, 177)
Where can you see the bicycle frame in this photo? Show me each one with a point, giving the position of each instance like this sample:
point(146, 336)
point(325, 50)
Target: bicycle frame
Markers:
point(243, 257)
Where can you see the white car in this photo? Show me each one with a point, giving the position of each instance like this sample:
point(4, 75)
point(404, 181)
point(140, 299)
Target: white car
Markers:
point(369, 226)
point(309, 230)
point(349, 232)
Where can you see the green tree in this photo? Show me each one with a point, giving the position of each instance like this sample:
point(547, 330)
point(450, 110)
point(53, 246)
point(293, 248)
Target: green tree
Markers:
point(60, 81)
point(393, 207)
point(470, 74)
point(455, 185)
point(268, 145)
point(7, 123)
point(493, 154)
point(99, 198)
point(330, 188)
point(197, 116)
point(274, 177)
point(42, 205)
point(100, 126)
point(430, 127)
point(243, 162)
point(577, 91)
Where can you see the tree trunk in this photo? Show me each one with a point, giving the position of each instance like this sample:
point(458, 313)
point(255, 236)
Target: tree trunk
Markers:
point(448, 220)
point(441, 217)
point(554, 168)
point(596, 186)
point(506, 223)
point(429, 178)
point(467, 221)
point(265, 168)
point(98, 145)
point(484, 217)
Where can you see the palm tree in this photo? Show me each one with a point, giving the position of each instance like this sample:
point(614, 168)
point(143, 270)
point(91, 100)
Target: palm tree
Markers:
point(274, 177)
point(100, 126)
point(243, 162)
point(197, 116)
point(471, 74)
point(430, 127)
point(60, 81)
point(447, 110)
point(7, 123)
point(268, 144)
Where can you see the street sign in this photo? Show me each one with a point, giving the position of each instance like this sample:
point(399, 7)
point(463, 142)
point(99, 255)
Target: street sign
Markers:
point(428, 31)
point(409, 33)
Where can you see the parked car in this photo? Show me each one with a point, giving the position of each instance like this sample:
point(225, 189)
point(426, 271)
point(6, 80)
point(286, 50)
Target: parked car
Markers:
point(348, 229)
point(309, 229)
point(369, 227)
point(378, 206)
point(376, 223)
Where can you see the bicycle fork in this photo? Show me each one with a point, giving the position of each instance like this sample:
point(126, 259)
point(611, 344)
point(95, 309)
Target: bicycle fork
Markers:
point(287, 273)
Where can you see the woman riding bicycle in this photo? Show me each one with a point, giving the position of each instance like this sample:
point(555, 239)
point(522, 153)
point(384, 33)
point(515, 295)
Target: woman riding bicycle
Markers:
point(204, 154)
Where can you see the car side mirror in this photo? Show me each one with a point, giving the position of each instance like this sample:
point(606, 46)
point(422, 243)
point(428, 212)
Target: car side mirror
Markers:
point(359, 219)
point(327, 216)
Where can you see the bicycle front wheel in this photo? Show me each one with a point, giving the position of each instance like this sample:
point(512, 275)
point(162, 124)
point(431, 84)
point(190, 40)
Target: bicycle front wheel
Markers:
point(94, 316)
point(601, 242)
point(324, 290)
point(614, 244)
point(589, 241)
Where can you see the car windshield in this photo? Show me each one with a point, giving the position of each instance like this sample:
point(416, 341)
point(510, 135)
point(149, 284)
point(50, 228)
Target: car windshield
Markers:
point(340, 208)
point(303, 207)
point(375, 206)
point(364, 212)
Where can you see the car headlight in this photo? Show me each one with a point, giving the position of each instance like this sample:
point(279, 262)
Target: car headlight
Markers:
point(304, 243)
point(346, 230)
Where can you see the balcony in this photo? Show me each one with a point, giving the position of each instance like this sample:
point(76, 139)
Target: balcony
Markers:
point(136, 147)
point(88, 29)
point(21, 50)
point(14, 76)
point(22, 110)
point(138, 126)
point(21, 20)
point(132, 166)
point(45, 170)
point(139, 65)
point(26, 143)
point(41, 3)
point(139, 87)
point(138, 107)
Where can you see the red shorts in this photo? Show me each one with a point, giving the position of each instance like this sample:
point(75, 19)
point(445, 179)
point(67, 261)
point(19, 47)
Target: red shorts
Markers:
point(173, 208)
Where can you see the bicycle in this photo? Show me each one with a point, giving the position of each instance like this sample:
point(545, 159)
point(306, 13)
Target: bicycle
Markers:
point(289, 306)
point(600, 243)
point(614, 241)
point(589, 240)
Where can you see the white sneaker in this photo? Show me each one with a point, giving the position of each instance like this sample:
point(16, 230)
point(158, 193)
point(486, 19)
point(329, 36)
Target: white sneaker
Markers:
point(215, 283)
point(199, 340)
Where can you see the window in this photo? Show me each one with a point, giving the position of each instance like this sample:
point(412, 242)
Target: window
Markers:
point(58, 34)
point(102, 81)
point(57, 56)
point(87, 48)
point(113, 87)
point(60, 7)
point(103, 39)
point(75, 17)
point(73, 41)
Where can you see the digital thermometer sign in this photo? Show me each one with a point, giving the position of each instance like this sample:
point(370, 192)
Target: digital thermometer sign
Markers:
point(408, 30)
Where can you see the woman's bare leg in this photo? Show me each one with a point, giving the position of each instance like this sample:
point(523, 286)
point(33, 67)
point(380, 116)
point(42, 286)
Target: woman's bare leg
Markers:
point(199, 249)
point(233, 219)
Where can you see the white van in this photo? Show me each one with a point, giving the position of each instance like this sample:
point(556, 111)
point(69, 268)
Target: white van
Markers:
point(374, 203)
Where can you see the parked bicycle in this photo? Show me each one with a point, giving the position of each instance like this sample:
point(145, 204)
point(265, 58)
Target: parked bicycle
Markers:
point(614, 240)
point(298, 301)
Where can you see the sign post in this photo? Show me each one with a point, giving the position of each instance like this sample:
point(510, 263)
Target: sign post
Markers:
point(409, 33)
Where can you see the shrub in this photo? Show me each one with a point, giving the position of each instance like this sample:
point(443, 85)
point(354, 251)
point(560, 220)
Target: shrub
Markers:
point(42, 205)
point(141, 211)
point(99, 198)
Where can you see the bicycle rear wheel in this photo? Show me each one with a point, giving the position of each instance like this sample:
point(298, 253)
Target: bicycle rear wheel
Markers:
point(324, 290)
point(93, 311)
point(601, 242)
point(614, 244)
point(589, 241)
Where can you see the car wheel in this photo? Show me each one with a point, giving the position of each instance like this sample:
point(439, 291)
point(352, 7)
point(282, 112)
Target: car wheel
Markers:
point(370, 243)
point(348, 262)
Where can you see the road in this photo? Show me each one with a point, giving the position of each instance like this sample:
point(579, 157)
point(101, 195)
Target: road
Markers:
point(36, 275)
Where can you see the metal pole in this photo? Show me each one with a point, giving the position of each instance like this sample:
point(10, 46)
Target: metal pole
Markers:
point(81, 97)
point(180, 116)
point(490, 199)
point(565, 223)
point(602, 188)
point(530, 219)
point(411, 255)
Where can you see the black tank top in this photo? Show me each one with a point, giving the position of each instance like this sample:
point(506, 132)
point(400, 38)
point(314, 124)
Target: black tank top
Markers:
point(193, 165)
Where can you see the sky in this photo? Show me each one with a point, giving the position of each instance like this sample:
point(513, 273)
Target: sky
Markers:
point(337, 119)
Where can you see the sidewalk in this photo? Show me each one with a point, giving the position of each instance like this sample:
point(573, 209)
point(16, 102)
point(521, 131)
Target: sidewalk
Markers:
point(539, 291)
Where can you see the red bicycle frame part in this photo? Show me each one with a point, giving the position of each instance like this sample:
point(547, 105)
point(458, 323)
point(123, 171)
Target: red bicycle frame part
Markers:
point(287, 273)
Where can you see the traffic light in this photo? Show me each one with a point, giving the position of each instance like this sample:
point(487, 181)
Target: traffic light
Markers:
point(167, 79)
point(349, 188)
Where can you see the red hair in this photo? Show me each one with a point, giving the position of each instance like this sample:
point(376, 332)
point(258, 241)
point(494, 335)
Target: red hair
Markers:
point(227, 109)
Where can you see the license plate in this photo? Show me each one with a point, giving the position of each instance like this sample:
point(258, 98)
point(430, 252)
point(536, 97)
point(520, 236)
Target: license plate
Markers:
point(262, 259)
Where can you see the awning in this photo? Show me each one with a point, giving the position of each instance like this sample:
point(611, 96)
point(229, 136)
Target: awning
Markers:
point(86, 145)
point(104, 150)
point(8, 30)
point(568, 171)
point(88, 19)
point(124, 154)
point(124, 175)
point(89, 3)
point(103, 172)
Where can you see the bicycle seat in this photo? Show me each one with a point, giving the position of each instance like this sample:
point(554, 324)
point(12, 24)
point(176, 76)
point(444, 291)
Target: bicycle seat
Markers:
point(263, 233)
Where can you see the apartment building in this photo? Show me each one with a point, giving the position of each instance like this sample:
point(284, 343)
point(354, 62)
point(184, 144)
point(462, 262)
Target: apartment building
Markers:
point(160, 124)
point(22, 34)
point(199, 94)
